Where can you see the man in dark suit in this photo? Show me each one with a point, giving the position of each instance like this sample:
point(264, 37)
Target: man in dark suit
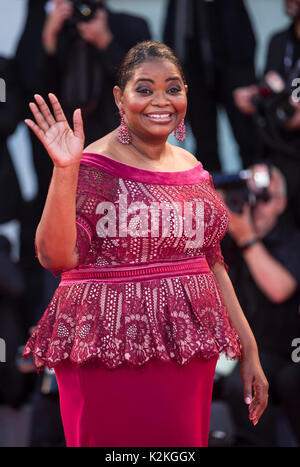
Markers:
point(262, 252)
point(283, 61)
point(216, 44)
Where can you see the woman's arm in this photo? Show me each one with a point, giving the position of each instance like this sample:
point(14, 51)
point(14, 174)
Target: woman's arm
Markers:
point(56, 233)
point(252, 375)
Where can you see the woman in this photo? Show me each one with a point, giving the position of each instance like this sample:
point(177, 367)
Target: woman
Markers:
point(139, 319)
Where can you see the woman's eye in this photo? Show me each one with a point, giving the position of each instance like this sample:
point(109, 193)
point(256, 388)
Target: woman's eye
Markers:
point(144, 90)
point(147, 91)
point(174, 90)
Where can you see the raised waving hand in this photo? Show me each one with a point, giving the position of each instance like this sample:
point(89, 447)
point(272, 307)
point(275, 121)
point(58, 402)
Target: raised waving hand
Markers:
point(64, 145)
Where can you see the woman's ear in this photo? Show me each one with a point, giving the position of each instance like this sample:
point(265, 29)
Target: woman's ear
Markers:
point(118, 96)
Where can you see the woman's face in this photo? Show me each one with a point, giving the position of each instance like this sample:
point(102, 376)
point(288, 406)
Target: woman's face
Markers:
point(154, 99)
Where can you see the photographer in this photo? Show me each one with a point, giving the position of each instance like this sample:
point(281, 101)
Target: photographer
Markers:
point(83, 44)
point(83, 50)
point(263, 256)
point(216, 44)
point(275, 112)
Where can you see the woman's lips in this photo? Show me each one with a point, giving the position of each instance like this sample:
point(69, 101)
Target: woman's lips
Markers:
point(160, 117)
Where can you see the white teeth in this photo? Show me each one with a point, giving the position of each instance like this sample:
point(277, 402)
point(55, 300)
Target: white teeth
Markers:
point(159, 115)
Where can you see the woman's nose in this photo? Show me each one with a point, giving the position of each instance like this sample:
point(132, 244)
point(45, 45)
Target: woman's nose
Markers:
point(160, 99)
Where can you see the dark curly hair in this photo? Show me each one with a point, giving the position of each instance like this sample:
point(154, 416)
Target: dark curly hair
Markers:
point(141, 52)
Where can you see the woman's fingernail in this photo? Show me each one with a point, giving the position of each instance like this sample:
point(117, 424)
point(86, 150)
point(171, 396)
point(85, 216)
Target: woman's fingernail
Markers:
point(247, 400)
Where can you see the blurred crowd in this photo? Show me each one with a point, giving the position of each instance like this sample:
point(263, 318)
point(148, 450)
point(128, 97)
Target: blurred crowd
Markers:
point(73, 49)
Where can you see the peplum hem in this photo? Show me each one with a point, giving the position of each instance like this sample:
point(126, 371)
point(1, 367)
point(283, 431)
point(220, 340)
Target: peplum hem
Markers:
point(175, 318)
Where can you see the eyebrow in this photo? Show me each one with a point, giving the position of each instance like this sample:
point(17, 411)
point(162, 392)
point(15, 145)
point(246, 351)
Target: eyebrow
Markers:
point(152, 81)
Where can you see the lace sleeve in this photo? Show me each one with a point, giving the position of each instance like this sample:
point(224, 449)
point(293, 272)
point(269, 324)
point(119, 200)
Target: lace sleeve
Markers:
point(214, 252)
point(86, 203)
point(214, 255)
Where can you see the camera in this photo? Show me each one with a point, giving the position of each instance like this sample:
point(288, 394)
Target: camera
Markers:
point(272, 102)
point(84, 11)
point(273, 111)
point(244, 187)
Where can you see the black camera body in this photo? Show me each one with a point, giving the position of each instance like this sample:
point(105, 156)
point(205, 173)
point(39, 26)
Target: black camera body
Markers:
point(273, 101)
point(84, 11)
point(273, 111)
point(244, 187)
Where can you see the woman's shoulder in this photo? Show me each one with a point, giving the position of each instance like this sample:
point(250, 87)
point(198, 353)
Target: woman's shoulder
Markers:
point(99, 146)
point(188, 156)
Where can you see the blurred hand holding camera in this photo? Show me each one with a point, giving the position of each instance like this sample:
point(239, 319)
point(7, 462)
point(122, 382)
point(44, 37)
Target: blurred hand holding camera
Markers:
point(260, 204)
point(243, 98)
point(96, 31)
point(61, 11)
point(93, 28)
point(241, 227)
point(294, 123)
point(271, 95)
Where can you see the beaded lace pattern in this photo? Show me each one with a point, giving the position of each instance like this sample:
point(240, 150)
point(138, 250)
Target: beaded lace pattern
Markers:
point(171, 317)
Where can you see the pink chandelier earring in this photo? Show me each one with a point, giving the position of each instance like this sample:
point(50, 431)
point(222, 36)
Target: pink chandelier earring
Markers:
point(179, 131)
point(123, 135)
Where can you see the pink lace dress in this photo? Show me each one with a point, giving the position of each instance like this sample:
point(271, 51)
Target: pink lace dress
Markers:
point(143, 287)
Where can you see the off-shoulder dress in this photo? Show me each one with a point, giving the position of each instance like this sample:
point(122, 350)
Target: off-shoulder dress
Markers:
point(135, 330)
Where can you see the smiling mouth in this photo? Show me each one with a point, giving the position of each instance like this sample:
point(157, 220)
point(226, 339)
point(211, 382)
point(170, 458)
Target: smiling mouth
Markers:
point(160, 117)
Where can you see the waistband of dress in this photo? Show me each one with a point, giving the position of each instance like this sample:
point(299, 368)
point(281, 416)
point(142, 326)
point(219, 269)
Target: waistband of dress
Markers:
point(136, 272)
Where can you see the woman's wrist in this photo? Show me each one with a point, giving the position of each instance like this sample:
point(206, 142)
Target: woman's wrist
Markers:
point(66, 176)
point(70, 168)
point(249, 350)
